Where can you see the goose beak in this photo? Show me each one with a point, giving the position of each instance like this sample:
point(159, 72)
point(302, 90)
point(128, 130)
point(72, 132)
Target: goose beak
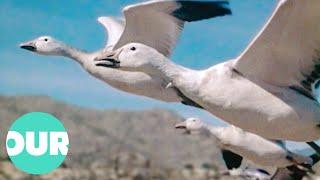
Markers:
point(109, 59)
point(30, 46)
point(181, 125)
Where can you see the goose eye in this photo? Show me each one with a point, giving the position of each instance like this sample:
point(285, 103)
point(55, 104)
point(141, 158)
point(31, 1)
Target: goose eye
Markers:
point(46, 39)
point(133, 48)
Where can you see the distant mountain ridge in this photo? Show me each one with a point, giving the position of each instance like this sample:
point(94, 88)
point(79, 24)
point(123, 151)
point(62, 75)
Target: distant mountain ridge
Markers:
point(97, 134)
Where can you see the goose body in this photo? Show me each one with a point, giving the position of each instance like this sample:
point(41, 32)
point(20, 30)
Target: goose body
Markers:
point(251, 146)
point(270, 111)
point(156, 23)
point(268, 90)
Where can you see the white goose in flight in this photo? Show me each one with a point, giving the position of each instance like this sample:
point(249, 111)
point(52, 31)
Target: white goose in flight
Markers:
point(255, 148)
point(268, 90)
point(251, 146)
point(155, 23)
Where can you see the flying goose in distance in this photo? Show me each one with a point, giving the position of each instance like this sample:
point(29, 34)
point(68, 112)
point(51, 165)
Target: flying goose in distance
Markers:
point(156, 23)
point(257, 149)
point(251, 146)
point(268, 90)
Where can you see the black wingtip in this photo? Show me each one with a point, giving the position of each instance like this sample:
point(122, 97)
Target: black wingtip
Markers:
point(232, 160)
point(199, 10)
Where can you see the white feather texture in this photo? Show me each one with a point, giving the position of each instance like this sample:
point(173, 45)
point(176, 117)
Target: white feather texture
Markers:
point(286, 50)
point(138, 83)
point(153, 23)
point(114, 29)
point(149, 22)
point(274, 112)
point(267, 90)
point(250, 146)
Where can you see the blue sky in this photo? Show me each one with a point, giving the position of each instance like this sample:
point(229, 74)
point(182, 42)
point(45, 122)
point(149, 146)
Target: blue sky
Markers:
point(201, 45)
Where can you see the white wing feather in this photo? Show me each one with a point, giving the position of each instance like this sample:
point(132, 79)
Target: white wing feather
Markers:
point(286, 51)
point(114, 28)
point(151, 24)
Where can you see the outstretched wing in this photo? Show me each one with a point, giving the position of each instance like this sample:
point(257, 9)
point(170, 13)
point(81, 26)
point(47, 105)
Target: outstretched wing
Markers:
point(286, 51)
point(114, 28)
point(158, 23)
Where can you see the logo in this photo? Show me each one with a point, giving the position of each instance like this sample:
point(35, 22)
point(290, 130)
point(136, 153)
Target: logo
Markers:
point(37, 143)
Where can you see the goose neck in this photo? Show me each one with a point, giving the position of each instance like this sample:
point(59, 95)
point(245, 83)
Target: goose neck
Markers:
point(215, 130)
point(78, 55)
point(171, 69)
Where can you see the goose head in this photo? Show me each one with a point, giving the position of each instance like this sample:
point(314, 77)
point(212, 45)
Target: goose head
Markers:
point(190, 124)
point(44, 45)
point(131, 57)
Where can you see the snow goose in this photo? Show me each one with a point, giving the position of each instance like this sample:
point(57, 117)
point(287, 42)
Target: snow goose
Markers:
point(156, 23)
point(268, 90)
point(251, 146)
point(273, 112)
point(255, 148)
